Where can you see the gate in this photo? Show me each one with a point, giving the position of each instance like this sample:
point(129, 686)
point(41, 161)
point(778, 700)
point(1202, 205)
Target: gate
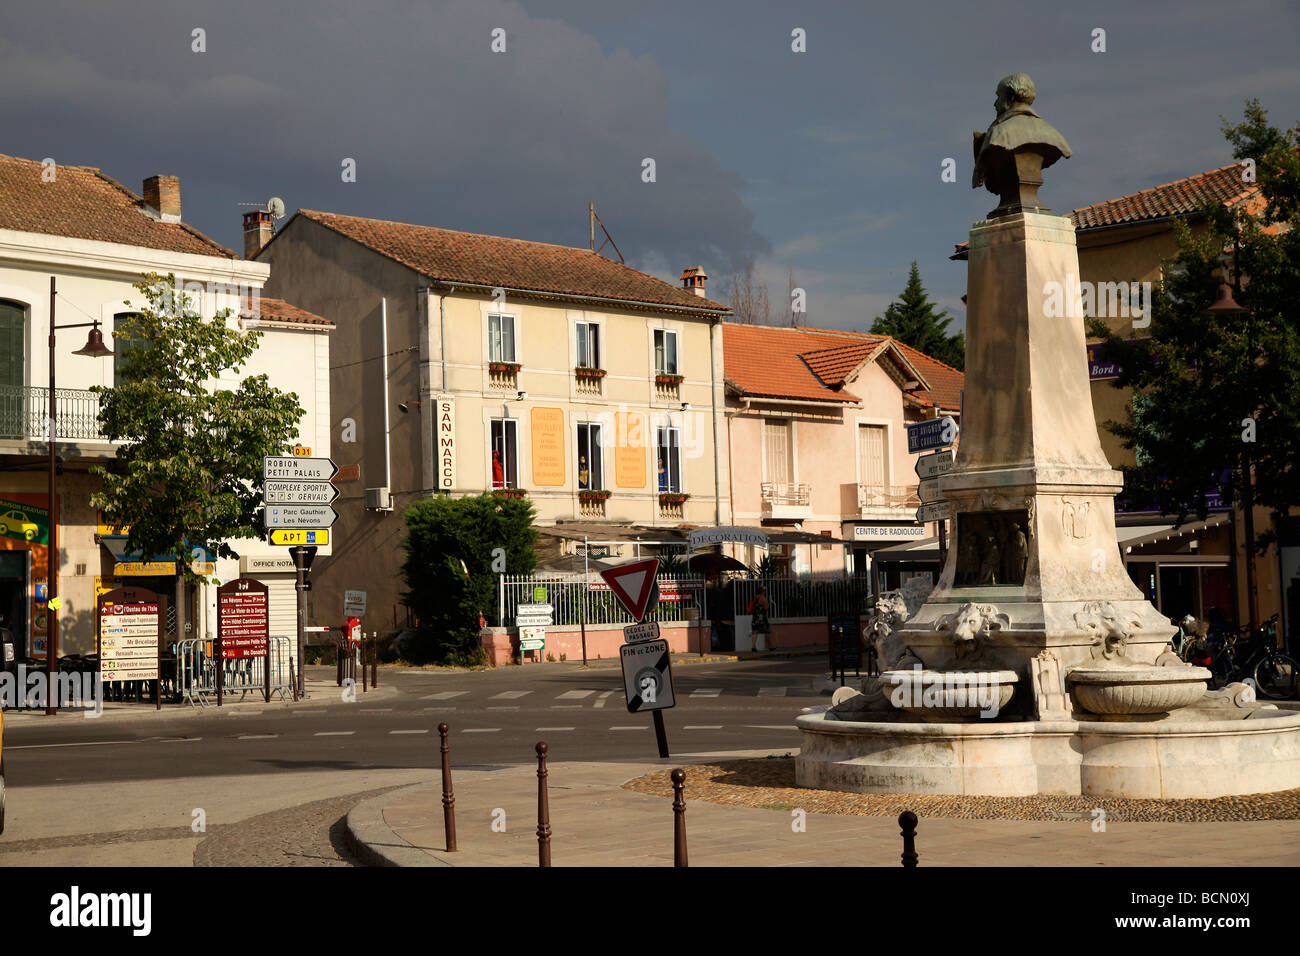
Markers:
point(196, 671)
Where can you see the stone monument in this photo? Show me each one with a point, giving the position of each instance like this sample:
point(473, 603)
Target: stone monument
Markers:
point(1036, 665)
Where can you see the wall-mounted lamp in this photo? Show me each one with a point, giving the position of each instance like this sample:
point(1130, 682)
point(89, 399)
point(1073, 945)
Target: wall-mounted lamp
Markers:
point(405, 407)
point(686, 406)
point(522, 396)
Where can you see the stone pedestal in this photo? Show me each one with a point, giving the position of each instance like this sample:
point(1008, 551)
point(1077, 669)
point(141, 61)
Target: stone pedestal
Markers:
point(1033, 564)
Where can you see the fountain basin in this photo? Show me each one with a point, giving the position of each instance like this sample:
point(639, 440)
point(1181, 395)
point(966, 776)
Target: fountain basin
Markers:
point(1137, 690)
point(1204, 753)
point(948, 694)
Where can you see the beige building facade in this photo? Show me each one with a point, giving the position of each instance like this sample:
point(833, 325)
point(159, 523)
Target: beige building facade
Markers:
point(467, 364)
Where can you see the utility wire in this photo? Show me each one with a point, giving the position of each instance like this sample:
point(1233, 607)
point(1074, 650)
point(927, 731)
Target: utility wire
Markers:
point(375, 358)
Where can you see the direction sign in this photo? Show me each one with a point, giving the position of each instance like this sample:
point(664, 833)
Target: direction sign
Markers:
point(935, 511)
point(299, 469)
point(298, 538)
point(532, 638)
point(534, 615)
point(128, 634)
point(243, 618)
point(633, 584)
point(933, 433)
point(934, 464)
point(354, 603)
point(300, 516)
point(280, 491)
point(645, 631)
point(647, 676)
point(928, 490)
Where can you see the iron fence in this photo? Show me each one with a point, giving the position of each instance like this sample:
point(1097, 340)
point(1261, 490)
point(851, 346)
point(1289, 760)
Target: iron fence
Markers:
point(25, 413)
point(805, 597)
point(196, 671)
point(576, 600)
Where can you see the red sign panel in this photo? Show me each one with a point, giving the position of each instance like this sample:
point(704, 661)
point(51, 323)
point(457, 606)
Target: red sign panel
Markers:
point(633, 584)
point(243, 618)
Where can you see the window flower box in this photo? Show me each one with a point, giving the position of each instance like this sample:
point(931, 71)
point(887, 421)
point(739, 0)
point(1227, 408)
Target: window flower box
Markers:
point(509, 493)
point(504, 368)
point(593, 494)
point(665, 379)
point(585, 371)
point(672, 498)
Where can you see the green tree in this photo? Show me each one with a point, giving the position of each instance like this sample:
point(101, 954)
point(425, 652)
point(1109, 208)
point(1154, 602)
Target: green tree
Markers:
point(455, 548)
point(188, 472)
point(914, 321)
point(1215, 393)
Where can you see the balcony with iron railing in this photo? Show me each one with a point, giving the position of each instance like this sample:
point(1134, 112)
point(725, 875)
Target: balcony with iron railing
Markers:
point(893, 502)
point(787, 500)
point(25, 412)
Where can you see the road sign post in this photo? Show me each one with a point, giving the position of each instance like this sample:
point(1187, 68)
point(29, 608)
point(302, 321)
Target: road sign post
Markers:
point(932, 433)
point(302, 558)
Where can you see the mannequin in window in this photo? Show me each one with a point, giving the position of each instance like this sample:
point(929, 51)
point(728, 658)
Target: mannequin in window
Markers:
point(498, 472)
point(583, 474)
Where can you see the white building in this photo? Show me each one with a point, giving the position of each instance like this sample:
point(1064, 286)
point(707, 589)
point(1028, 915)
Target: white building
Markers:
point(96, 238)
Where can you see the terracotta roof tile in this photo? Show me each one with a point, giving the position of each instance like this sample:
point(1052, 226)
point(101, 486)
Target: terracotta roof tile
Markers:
point(83, 203)
point(277, 310)
point(772, 362)
point(451, 256)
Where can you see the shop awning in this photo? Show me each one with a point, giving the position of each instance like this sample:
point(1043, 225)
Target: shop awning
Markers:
point(1137, 536)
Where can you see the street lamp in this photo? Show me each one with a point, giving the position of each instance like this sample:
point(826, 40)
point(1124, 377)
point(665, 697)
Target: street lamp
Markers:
point(94, 348)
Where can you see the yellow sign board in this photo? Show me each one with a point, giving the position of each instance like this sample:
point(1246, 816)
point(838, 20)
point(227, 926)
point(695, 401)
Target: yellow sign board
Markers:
point(127, 569)
point(629, 449)
point(297, 537)
point(548, 447)
point(302, 451)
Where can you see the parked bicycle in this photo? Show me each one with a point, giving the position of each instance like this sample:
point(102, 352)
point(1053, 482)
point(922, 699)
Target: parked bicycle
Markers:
point(1257, 656)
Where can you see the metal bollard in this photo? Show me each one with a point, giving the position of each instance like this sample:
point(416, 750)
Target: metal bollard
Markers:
point(361, 655)
point(543, 810)
point(907, 820)
point(338, 656)
point(679, 817)
point(293, 680)
point(448, 798)
point(374, 659)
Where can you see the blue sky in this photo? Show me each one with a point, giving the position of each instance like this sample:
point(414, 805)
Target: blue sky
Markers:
point(826, 162)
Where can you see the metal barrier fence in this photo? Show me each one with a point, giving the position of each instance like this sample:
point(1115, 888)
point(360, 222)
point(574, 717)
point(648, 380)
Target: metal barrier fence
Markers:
point(196, 671)
point(576, 600)
point(800, 597)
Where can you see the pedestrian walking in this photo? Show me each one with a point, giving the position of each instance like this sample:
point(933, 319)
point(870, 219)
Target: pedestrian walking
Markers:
point(760, 610)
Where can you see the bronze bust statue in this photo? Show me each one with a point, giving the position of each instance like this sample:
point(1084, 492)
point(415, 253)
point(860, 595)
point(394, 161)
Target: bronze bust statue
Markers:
point(1018, 146)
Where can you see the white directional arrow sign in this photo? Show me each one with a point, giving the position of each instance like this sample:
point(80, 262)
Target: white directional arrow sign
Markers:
point(300, 516)
point(282, 492)
point(299, 469)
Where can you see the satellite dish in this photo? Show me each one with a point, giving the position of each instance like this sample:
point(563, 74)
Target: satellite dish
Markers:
point(275, 206)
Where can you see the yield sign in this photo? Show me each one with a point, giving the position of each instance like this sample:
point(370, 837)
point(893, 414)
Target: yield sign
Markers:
point(633, 585)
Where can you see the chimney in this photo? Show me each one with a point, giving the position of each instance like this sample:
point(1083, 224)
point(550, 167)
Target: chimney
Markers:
point(258, 230)
point(162, 194)
point(693, 278)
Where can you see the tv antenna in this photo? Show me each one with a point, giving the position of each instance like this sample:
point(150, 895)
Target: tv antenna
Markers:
point(274, 205)
point(592, 221)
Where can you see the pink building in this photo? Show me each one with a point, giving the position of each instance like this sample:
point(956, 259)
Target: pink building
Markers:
point(817, 439)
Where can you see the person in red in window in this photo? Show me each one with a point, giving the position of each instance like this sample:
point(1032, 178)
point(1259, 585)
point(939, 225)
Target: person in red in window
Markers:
point(498, 472)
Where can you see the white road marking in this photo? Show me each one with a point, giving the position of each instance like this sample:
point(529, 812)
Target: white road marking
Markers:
point(706, 692)
point(542, 730)
point(510, 695)
point(772, 691)
point(376, 710)
point(320, 710)
point(568, 706)
point(257, 736)
point(86, 743)
point(481, 730)
point(504, 707)
point(703, 727)
point(445, 695)
point(334, 733)
point(441, 710)
point(575, 694)
point(408, 731)
point(627, 728)
point(772, 726)
point(600, 702)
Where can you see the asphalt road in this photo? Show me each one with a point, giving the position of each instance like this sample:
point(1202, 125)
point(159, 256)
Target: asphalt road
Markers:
point(496, 717)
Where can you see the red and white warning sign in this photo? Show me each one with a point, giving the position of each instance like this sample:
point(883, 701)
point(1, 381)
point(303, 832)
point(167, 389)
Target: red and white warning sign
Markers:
point(634, 585)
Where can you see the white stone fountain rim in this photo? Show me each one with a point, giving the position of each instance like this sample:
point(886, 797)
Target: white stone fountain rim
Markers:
point(1277, 721)
point(945, 678)
point(1125, 676)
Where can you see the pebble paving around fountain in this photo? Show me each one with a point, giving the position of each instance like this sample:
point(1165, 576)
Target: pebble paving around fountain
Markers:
point(769, 784)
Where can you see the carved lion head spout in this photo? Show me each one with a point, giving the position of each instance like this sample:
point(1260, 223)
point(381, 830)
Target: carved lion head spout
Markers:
point(1109, 630)
point(971, 626)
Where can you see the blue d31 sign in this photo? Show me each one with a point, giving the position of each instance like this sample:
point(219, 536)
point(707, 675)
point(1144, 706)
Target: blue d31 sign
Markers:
point(934, 433)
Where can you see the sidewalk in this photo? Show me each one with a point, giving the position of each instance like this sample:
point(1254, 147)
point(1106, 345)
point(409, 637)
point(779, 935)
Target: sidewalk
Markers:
point(594, 822)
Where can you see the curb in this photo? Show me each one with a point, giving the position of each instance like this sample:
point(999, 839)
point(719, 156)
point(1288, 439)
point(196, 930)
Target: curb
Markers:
point(374, 843)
